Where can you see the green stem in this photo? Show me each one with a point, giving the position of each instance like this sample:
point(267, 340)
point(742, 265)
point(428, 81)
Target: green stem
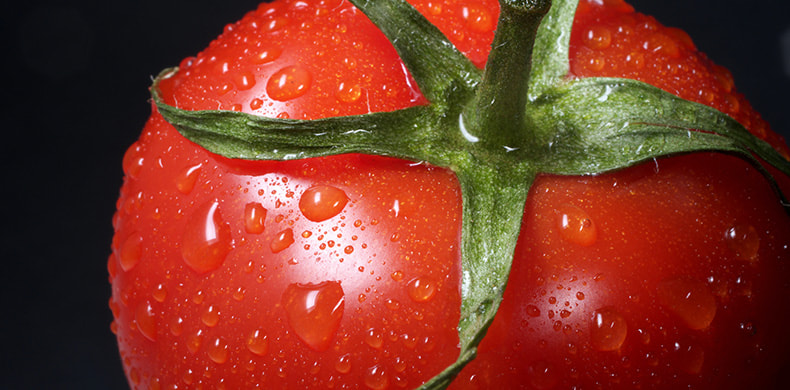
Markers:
point(497, 115)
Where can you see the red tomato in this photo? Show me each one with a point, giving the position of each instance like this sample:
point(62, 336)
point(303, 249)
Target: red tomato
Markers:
point(344, 271)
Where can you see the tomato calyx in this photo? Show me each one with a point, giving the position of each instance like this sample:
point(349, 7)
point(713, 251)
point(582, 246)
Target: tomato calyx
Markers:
point(495, 129)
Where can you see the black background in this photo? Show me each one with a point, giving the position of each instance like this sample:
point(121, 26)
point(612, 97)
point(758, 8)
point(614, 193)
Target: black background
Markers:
point(75, 90)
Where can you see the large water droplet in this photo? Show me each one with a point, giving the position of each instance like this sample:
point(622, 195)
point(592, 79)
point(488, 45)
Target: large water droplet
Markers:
point(218, 351)
point(254, 218)
point(576, 226)
point(690, 300)
point(314, 312)
point(321, 202)
point(608, 329)
point(744, 241)
point(207, 240)
point(289, 83)
point(210, 316)
point(131, 252)
point(145, 317)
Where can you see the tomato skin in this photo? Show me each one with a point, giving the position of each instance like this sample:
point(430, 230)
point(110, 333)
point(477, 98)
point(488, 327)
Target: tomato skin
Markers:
point(222, 279)
point(706, 226)
point(388, 259)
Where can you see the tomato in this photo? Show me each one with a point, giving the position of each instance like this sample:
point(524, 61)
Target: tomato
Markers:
point(348, 270)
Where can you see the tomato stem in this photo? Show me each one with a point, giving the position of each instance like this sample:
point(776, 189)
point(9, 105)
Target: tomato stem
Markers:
point(497, 116)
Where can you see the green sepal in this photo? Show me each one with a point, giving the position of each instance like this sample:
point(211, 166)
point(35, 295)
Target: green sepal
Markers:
point(435, 63)
point(597, 125)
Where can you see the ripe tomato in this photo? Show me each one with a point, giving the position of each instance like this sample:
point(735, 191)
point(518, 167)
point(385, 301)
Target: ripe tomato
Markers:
point(345, 271)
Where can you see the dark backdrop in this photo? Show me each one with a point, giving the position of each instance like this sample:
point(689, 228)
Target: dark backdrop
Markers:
point(74, 93)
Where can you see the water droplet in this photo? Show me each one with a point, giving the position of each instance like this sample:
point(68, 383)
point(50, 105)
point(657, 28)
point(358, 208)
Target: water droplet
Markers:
point(421, 289)
point(186, 179)
point(194, 341)
point(256, 104)
point(635, 60)
point(376, 378)
point(608, 329)
point(145, 317)
point(254, 217)
point(478, 19)
point(397, 276)
point(580, 296)
point(218, 351)
point(258, 342)
point(348, 93)
point(542, 375)
point(282, 241)
point(374, 338)
point(268, 55)
point(744, 241)
point(343, 364)
point(238, 295)
point(314, 312)
point(160, 293)
point(690, 300)
point(689, 356)
point(576, 226)
point(210, 317)
point(319, 203)
point(348, 249)
point(244, 81)
point(598, 37)
point(207, 239)
point(131, 252)
point(532, 310)
point(133, 160)
point(289, 83)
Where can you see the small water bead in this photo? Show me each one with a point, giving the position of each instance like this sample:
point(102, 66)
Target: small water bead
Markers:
point(421, 289)
point(131, 252)
point(258, 342)
point(343, 364)
point(374, 338)
point(254, 218)
point(314, 312)
point(576, 226)
point(244, 81)
point(598, 37)
point(744, 241)
point(348, 93)
point(194, 341)
point(478, 19)
point(289, 83)
point(207, 239)
point(218, 351)
point(376, 378)
point(210, 317)
point(145, 318)
point(282, 241)
point(532, 310)
point(608, 330)
point(542, 375)
point(133, 160)
point(160, 293)
point(690, 300)
point(688, 356)
point(321, 202)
